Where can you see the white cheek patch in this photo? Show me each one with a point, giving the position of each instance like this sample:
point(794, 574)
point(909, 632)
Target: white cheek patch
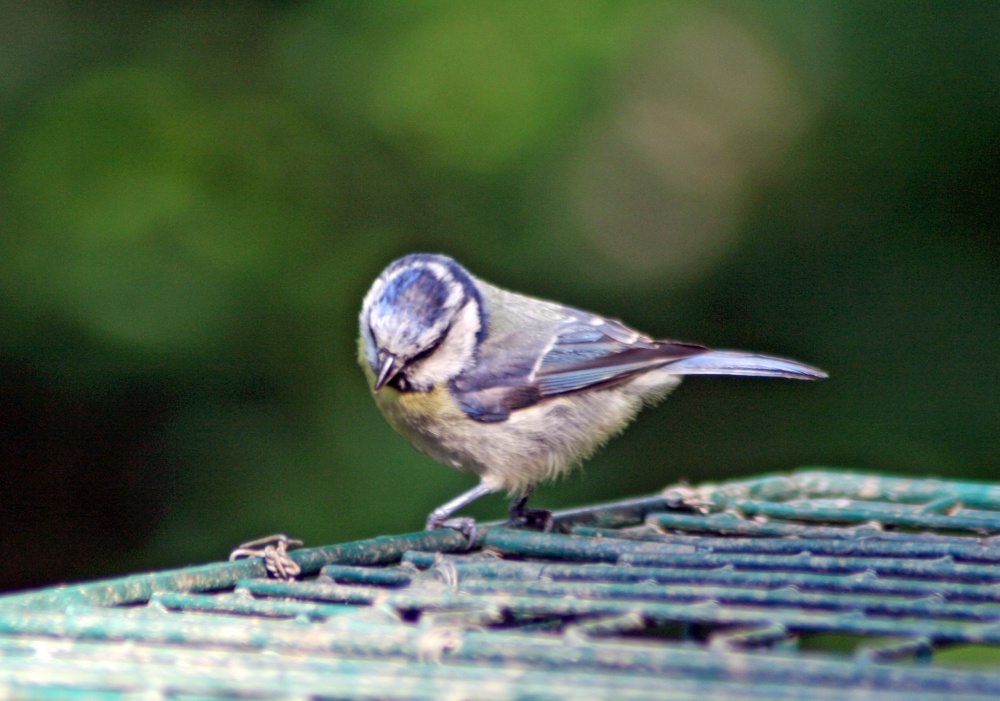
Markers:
point(453, 355)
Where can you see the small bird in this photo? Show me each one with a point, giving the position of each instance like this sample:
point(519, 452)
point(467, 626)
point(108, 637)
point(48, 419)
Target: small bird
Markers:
point(514, 389)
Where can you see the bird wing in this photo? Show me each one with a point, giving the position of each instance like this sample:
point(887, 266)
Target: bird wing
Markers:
point(586, 351)
point(592, 352)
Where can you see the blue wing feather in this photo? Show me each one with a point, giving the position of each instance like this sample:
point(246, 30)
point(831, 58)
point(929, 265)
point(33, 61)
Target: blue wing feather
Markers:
point(596, 351)
point(590, 352)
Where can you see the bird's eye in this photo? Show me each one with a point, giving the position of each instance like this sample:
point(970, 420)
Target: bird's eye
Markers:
point(400, 383)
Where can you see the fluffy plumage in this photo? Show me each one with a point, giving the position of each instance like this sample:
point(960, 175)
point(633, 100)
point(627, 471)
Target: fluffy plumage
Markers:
point(512, 388)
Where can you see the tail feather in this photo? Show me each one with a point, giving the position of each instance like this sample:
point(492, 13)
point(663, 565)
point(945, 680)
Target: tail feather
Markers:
point(748, 364)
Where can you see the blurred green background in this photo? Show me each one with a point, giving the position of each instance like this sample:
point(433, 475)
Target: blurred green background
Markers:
point(195, 196)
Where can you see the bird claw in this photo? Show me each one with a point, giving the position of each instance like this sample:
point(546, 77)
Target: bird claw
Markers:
point(539, 519)
point(463, 524)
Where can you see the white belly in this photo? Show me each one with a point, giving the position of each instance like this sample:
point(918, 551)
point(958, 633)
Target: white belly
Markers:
point(533, 445)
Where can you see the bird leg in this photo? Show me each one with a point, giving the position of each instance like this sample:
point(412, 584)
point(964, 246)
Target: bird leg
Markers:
point(521, 515)
point(439, 517)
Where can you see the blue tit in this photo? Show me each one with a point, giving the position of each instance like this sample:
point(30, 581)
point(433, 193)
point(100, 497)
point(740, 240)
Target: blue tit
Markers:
point(514, 389)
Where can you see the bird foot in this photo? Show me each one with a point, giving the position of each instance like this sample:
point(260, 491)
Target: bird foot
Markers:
point(463, 524)
point(538, 519)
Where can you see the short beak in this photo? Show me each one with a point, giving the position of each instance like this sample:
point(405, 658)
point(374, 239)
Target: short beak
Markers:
point(387, 369)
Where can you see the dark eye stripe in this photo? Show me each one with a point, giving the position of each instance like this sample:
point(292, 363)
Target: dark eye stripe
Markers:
point(424, 353)
point(400, 381)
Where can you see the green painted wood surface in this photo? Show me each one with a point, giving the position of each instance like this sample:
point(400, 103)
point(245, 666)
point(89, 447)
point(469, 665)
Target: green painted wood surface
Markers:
point(816, 584)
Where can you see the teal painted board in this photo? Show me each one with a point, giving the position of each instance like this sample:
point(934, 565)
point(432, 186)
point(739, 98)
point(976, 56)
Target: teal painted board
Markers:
point(810, 585)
